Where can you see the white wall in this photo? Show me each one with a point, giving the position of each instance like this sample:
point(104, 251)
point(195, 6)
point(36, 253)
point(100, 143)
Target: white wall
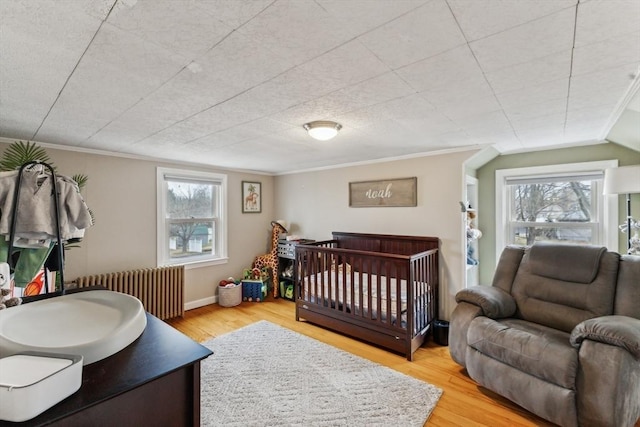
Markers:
point(317, 203)
point(122, 194)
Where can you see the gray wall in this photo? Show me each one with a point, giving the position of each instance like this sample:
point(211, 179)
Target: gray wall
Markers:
point(486, 189)
point(122, 194)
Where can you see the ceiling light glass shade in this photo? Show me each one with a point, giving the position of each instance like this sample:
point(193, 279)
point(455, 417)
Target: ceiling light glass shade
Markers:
point(622, 180)
point(322, 130)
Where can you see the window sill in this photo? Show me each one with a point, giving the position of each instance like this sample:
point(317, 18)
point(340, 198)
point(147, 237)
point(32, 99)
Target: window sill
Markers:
point(202, 264)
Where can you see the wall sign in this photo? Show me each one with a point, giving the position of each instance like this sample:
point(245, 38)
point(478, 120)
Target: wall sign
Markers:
point(383, 193)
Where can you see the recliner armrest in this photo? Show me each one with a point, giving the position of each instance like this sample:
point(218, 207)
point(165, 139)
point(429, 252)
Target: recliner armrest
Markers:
point(494, 302)
point(621, 331)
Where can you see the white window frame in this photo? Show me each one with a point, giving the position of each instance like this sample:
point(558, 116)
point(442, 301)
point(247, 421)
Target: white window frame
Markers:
point(163, 224)
point(608, 208)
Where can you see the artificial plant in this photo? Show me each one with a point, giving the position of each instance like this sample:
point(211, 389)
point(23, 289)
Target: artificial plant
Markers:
point(19, 153)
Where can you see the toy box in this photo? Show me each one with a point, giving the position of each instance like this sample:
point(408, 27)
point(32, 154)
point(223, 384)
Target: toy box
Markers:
point(254, 290)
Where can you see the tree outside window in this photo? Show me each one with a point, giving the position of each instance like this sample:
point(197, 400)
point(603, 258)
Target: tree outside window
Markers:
point(190, 207)
point(552, 211)
point(191, 217)
point(562, 203)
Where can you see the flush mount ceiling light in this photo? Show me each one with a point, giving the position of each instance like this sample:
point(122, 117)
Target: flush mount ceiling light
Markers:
point(322, 130)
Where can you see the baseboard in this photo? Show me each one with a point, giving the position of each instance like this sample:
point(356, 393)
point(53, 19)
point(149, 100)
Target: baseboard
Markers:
point(200, 303)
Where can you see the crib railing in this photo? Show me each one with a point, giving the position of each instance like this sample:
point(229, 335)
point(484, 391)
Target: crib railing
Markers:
point(396, 292)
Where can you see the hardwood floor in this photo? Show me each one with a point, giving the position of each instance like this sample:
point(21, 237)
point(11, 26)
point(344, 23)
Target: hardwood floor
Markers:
point(463, 402)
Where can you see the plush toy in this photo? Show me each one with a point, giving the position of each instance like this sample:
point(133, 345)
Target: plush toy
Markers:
point(5, 280)
point(288, 271)
point(270, 260)
point(256, 274)
point(472, 234)
point(5, 301)
point(634, 245)
point(228, 282)
point(634, 241)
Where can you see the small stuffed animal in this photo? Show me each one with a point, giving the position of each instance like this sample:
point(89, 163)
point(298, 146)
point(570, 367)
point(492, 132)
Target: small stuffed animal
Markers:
point(472, 234)
point(5, 279)
point(6, 302)
point(634, 245)
point(288, 272)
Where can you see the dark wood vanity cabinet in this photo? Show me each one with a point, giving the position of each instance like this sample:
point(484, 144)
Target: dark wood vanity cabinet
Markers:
point(155, 381)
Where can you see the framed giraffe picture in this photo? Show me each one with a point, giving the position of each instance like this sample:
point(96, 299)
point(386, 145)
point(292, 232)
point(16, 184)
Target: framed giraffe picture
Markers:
point(251, 197)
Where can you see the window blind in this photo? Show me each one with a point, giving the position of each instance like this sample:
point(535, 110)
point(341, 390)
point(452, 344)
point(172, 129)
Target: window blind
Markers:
point(544, 179)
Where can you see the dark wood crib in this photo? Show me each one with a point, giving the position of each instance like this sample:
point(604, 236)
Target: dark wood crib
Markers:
point(379, 288)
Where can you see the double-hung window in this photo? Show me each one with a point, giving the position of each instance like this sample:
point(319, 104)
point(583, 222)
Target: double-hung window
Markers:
point(191, 217)
point(561, 203)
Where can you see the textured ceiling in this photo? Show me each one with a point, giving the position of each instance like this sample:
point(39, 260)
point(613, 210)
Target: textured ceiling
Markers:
point(231, 82)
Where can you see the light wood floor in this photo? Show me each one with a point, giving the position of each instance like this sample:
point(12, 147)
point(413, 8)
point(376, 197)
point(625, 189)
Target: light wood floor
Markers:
point(463, 402)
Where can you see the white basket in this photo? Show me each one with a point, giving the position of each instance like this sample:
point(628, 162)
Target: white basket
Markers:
point(228, 297)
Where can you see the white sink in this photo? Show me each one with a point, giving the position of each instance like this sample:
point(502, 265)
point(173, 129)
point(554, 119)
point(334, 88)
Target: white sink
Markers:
point(92, 324)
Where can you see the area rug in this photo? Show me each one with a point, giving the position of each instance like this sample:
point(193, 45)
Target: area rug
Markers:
point(266, 375)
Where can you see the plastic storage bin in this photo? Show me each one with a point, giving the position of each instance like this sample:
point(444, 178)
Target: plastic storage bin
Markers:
point(32, 382)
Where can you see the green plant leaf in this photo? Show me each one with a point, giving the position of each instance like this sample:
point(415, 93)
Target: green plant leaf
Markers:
point(19, 153)
point(80, 179)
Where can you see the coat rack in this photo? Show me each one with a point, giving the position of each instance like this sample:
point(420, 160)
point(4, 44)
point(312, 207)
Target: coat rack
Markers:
point(14, 216)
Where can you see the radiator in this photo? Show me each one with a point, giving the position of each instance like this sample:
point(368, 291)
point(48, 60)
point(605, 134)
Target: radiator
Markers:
point(161, 290)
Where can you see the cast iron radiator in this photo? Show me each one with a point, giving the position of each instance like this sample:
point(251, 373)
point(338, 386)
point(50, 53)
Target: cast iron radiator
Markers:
point(161, 290)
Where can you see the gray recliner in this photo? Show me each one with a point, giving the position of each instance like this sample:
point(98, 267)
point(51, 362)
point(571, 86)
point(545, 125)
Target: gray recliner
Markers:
point(558, 333)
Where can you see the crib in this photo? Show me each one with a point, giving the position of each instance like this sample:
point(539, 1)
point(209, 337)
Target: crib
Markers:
point(379, 288)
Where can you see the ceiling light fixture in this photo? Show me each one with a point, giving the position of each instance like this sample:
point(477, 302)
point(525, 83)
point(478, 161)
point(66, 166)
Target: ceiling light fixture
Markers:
point(322, 130)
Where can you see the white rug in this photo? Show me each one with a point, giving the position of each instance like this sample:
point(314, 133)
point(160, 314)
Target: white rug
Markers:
point(266, 375)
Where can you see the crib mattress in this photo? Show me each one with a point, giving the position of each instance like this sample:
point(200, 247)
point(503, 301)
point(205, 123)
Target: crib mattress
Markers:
point(365, 292)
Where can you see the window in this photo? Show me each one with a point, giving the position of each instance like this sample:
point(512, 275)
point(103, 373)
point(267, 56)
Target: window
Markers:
point(191, 217)
point(562, 203)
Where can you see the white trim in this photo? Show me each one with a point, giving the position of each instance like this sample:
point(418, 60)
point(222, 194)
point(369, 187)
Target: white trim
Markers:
point(161, 234)
point(609, 216)
point(95, 151)
point(388, 159)
point(85, 150)
point(161, 208)
point(200, 303)
point(622, 106)
point(209, 263)
point(558, 146)
point(470, 272)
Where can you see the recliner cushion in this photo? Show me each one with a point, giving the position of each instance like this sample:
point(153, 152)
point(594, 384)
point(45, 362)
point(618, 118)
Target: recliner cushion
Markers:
point(562, 304)
point(627, 301)
point(535, 349)
point(569, 263)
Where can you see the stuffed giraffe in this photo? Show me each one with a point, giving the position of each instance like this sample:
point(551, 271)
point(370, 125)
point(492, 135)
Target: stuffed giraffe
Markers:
point(270, 260)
